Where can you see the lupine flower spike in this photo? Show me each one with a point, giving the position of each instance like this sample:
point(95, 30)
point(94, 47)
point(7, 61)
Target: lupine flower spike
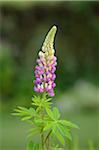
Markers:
point(46, 66)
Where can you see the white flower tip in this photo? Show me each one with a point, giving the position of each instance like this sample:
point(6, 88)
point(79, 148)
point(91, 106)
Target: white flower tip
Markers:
point(41, 54)
point(54, 27)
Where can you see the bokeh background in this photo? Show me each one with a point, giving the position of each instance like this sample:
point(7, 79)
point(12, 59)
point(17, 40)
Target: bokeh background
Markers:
point(23, 26)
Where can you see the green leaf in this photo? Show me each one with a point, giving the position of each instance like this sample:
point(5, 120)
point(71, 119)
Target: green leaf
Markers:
point(50, 113)
point(59, 136)
point(33, 131)
point(64, 131)
point(44, 95)
point(38, 122)
point(48, 99)
point(47, 104)
point(36, 100)
point(41, 102)
point(32, 111)
point(56, 113)
point(47, 126)
point(16, 114)
point(22, 109)
point(68, 124)
point(25, 113)
point(26, 118)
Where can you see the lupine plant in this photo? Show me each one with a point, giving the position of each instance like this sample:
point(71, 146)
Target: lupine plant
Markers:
point(45, 119)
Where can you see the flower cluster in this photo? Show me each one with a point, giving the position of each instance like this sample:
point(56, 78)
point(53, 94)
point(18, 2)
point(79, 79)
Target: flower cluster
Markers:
point(46, 66)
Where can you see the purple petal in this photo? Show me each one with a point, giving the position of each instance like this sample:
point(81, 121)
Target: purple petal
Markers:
point(51, 93)
point(38, 68)
point(53, 85)
point(53, 77)
point(41, 90)
point(36, 89)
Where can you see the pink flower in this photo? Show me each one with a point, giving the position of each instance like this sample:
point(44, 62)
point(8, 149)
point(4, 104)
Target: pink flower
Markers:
point(46, 66)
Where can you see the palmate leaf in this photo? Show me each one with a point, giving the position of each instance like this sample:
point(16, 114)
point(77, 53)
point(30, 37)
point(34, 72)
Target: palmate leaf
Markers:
point(61, 132)
point(53, 114)
point(61, 128)
point(58, 130)
point(68, 124)
point(39, 122)
point(64, 131)
point(55, 131)
point(24, 113)
point(41, 102)
point(56, 113)
point(36, 100)
point(50, 113)
point(59, 136)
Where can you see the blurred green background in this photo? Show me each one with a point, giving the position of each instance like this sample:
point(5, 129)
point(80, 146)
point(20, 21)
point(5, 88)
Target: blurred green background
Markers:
point(23, 26)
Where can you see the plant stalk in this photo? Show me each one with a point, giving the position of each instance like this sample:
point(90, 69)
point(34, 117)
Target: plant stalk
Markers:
point(48, 136)
point(42, 140)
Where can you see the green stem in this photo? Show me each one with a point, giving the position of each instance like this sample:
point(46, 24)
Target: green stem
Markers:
point(48, 136)
point(42, 134)
point(42, 140)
